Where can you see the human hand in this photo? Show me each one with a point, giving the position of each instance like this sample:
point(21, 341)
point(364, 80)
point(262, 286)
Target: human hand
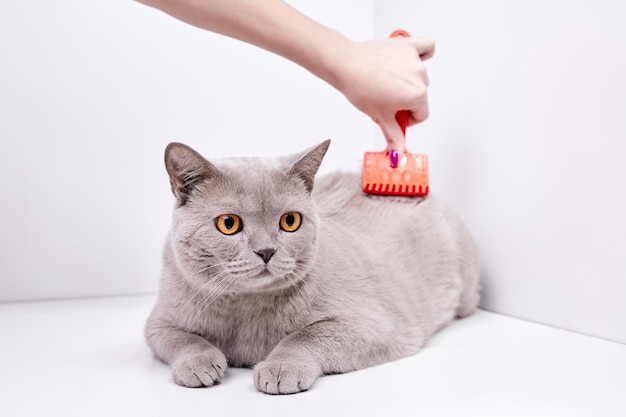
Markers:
point(384, 76)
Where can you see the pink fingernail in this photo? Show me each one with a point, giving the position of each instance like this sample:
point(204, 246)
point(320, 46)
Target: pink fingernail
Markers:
point(393, 158)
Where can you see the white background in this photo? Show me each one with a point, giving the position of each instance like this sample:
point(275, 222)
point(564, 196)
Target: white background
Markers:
point(91, 92)
point(525, 139)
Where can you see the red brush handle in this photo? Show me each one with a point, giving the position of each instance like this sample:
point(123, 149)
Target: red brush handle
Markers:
point(402, 116)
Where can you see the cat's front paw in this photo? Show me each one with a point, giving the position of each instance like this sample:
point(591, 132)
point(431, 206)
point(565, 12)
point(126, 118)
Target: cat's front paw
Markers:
point(199, 369)
point(274, 377)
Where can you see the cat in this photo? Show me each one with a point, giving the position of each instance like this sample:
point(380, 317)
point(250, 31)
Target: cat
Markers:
point(267, 267)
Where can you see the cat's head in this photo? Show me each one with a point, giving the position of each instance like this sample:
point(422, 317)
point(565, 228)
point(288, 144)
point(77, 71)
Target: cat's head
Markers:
point(243, 224)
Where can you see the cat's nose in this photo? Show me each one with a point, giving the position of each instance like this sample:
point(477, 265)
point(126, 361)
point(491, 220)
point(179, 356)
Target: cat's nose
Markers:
point(266, 254)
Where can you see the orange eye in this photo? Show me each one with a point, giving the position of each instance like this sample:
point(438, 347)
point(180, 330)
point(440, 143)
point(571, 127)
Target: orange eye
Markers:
point(229, 224)
point(290, 222)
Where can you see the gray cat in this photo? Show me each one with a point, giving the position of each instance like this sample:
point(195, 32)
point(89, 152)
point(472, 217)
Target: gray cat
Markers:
point(262, 270)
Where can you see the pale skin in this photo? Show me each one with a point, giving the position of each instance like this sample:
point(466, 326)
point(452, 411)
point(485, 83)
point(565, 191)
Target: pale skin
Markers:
point(378, 77)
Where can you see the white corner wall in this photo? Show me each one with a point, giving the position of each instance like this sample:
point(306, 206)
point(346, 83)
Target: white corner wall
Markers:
point(90, 94)
point(526, 139)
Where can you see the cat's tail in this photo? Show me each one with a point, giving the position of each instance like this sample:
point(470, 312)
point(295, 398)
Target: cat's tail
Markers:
point(470, 277)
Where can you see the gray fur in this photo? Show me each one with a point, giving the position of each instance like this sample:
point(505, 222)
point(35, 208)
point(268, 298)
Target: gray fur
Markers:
point(364, 280)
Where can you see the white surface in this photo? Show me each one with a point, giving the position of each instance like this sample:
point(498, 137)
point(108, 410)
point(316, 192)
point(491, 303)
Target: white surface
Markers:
point(92, 91)
point(87, 357)
point(526, 140)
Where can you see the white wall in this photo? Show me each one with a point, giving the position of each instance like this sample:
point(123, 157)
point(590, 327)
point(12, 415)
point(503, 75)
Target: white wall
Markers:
point(527, 140)
point(90, 94)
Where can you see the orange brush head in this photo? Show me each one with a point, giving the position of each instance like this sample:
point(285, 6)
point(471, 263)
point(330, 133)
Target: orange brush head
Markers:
point(410, 178)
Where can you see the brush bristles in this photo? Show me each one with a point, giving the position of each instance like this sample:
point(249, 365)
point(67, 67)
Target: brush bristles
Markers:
point(395, 189)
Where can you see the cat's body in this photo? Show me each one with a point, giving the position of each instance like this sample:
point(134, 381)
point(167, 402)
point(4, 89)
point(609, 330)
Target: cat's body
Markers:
point(362, 280)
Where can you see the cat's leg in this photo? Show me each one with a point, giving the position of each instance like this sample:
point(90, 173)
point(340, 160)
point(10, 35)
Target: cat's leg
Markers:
point(194, 361)
point(326, 347)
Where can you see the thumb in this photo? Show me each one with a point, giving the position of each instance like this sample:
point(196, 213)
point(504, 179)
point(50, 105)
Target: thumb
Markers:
point(425, 46)
point(394, 137)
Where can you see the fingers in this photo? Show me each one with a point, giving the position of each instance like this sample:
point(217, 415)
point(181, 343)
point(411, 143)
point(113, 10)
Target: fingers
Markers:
point(394, 137)
point(419, 106)
point(425, 46)
point(393, 133)
point(420, 111)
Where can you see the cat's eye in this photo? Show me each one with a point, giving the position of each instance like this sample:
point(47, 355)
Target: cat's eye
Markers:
point(229, 224)
point(290, 221)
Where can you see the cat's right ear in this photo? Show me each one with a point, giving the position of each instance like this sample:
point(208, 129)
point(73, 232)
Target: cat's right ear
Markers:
point(308, 163)
point(186, 168)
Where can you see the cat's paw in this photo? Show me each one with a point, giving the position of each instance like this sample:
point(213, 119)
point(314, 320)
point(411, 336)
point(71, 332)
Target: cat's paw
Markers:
point(274, 377)
point(199, 369)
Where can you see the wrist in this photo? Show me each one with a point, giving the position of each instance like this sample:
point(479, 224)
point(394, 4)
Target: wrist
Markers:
point(323, 54)
point(334, 59)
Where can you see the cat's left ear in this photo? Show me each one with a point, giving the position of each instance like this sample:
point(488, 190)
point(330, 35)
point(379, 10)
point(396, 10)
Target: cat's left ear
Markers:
point(308, 163)
point(186, 168)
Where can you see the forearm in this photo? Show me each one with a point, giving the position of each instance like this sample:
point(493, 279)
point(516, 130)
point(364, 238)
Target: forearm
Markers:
point(270, 24)
point(379, 77)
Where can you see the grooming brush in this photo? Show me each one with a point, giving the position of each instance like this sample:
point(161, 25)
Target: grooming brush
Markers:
point(409, 178)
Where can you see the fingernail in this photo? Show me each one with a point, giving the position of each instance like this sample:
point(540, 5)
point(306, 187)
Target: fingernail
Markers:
point(393, 158)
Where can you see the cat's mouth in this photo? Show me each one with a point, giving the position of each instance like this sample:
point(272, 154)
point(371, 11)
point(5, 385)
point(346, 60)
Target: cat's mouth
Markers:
point(254, 277)
point(265, 273)
point(258, 280)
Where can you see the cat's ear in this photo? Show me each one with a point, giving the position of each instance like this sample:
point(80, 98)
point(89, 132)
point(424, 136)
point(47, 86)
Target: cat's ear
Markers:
point(186, 168)
point(308, 162)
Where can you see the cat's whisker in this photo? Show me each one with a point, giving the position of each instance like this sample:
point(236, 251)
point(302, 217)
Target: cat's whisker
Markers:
point(222, 286)
point(216, 283)
point(191, 307)
point(200, 290)
point(302, 280)
point(223, 282)
point(209, 267)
